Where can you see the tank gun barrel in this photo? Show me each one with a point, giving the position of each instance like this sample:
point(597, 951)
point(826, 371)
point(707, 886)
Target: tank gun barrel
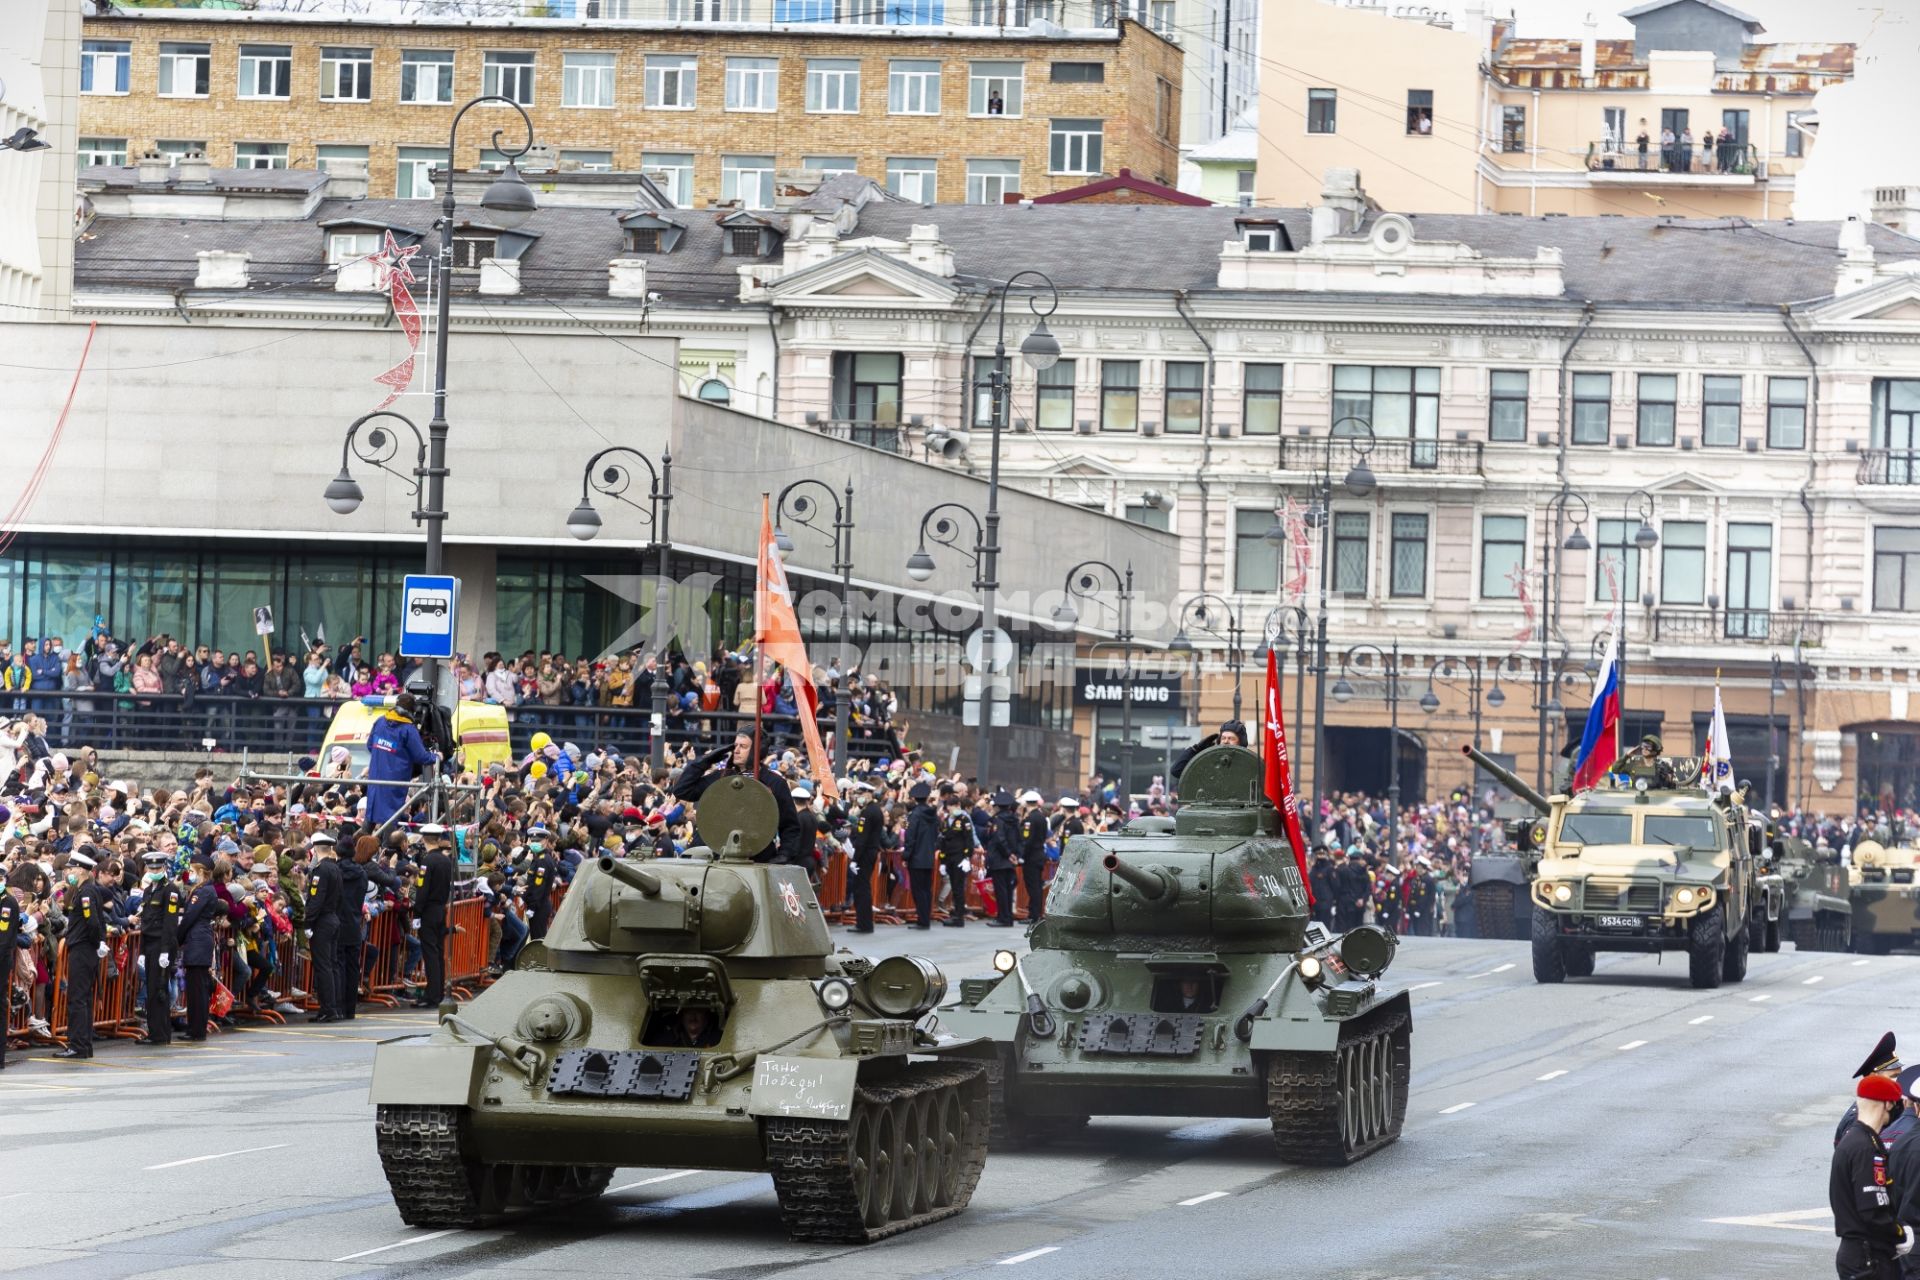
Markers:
point(1151, 883)
point(632, 876)
point(1507, 778)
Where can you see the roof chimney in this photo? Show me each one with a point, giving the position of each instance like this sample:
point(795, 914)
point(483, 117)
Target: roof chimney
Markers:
point(153, 169)
point(347, 179)
point(221, 269)
point(1342, 207)
point(1856, 258)
point(195, 167)
point(1589, 50)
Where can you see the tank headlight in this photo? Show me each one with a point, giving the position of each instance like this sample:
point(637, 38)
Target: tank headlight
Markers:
point(1563, 893)
point(1684, 897)
point(1311, 970)
point(1003, 961)
point(835, 993)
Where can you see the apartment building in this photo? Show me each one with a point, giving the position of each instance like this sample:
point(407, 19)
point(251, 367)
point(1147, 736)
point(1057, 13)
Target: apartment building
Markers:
point(715, 110)
point(1473, 118)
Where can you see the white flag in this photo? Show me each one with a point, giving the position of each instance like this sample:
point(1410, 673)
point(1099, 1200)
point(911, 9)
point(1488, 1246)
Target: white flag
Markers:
point(1716, 763)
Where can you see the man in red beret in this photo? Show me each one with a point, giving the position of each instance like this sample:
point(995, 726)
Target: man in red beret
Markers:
point(1860, 1190)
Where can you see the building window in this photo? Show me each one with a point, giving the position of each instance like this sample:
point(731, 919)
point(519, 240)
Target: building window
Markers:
point(1407, 556)
point(745, 242)
point(1079, 73)
point(1260, 399)
point(1796, 140)
point(700, 11)
point(1592, 407)
point(993, 88)
point(833, 85)
point(1152, 517)
point(748, 179)
point(830, 166)
point(1683, 562)
point(1322, 108)
point(1503, 551)
point(643, 239)
point(1507, 406)
point(1720, 411)
point(587, 161)
point(1654, 414)
point(912, 177)
point(260, 155)
point(1616, 559)
point(328, 154)
point(1896, 570)
point(183, 69)
point(673, 172)
point(105, 66)
point(753, 84)
point(508, 73)
point(351, 246)
point(1243, 183)
point(266, 71)
point(1256, 562)
point(586, 80)
point(102, 151)
point(1420, 112)
point(913, 88)
point(490, 160)
point(866, 386)
point(1186, 388)
point(346, 75)
point(670, 81)
point(471, 247)
point(1350, 553)
point(426, 75)
point(1513, 128)
point(1075, 147)
point(1397, 403)
point(1119, 395)
point(1786, 413)
point(1053, 397)
point(1165, 118)
point(1749, 580)
point(714, 391)
point(178, 149)
point(992, 181)
point(415, 172)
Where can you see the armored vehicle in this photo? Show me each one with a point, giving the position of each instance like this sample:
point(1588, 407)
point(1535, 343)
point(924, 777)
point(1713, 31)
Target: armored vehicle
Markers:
point(1177, 973)
point(1498, 880)
point(1818, 914)
point(689, 1012)
point(1886, 901)
point(1633, 869)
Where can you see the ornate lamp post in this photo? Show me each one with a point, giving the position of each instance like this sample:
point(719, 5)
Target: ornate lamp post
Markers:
point(799, 505)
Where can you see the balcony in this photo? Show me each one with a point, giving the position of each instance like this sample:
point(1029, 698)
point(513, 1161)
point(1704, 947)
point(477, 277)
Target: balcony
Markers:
point(1612, 160)
point(888, 437)
point(1445, 457)
point(976, 15)
point(1889, 466)
point(1744, 626)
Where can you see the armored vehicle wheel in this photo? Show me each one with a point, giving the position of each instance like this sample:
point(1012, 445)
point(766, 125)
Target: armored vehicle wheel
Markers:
point(1549, 961)
point(1334, 1108)
point(1579, 958)
point(1493, 910)
point(1772, 942)
point(1734, 968)
point(1707, 949)
point(910, 1154)
point(434, 1184)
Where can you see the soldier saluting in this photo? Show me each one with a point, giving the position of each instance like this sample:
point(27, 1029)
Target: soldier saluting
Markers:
point(1645, 761)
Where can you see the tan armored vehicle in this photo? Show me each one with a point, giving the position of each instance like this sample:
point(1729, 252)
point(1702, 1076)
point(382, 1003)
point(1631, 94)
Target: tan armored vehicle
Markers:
point(1886, 899)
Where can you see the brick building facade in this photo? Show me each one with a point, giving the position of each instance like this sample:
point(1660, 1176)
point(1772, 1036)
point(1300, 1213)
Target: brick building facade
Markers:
point(718, 110)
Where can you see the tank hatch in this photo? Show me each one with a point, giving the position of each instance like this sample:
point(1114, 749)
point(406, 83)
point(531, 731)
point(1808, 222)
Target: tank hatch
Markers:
point(739, 817)
point(1222, 775)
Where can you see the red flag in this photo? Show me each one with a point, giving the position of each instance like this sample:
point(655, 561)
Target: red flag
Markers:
point(1278, 773)
point(776, 634)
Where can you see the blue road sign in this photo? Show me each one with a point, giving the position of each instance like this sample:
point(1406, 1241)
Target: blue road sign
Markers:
point(428, 607)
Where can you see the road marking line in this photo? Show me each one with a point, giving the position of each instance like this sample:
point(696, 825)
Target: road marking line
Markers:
point(1815, 978)
point(647, 1182)
point(51, 1088)
point(1458, 1106)
point(1631, 1044)
point(1758, 999)
point(1795, 1220)
point(1029, 1255)
point(1422, 986)
point(1551, 1075)
point(1490, 972)
point(1211, 1195)
point(221, 1155)
point(1858, 963)
point(1705, 1017)
point(400, 1244)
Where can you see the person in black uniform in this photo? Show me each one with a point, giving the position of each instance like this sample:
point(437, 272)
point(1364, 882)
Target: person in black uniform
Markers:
point(920, 844)
point(1883, 1061)
point(432, 894)
point(196, 943)
point(347, 953)
point(708, 769)
point(16, 927)
point(1324, 879)
point(1355, 891)
point(1232, 734)
point(86, 942)
point(869, 845)
point(1033, 854)
point(161, 902)
point(323, 926)
point(540, 876)
point(1003, 857)
point(957, 841)
point(1861, 1193)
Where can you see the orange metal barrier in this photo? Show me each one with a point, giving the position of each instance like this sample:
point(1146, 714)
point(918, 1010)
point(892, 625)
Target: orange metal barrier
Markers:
point(467, 934)
point(384, 936)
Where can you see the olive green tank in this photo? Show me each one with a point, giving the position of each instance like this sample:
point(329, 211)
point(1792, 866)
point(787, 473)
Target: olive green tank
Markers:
point(1178, 973)
point(690, 1012)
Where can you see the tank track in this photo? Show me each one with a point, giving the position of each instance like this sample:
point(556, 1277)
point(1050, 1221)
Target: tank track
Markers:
point(1012, 1130)
point(1304, 1090)
point(827, 1172)
point(435, 1185)
point(1493, 910)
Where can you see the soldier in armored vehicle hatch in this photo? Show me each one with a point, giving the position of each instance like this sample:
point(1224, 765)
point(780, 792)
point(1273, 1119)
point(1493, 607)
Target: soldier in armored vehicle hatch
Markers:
point(1645, 761)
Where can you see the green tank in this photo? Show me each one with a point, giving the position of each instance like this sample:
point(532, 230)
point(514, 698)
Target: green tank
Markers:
point(1498, 880)
point(690, 1012)
point(1178, 973)
point(1816, 911)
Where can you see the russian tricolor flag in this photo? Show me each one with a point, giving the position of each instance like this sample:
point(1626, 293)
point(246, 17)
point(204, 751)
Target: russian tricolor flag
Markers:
point(1599, 741)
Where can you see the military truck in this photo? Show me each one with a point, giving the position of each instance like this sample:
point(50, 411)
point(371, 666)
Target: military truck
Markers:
point(1177, 973)
point(1498, 879)
point(689, 1012)
point(1883, 892)
point(1634, 869)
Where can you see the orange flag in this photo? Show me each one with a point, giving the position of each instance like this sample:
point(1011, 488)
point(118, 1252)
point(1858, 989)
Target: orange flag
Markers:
point(776, 634)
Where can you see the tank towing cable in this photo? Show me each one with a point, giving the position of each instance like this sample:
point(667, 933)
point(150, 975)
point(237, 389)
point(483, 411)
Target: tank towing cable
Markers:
point(520, 1055)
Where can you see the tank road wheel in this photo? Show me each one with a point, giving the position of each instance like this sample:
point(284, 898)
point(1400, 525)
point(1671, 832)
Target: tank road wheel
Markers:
point(1549, 961)
point(1334, 1108)
point(870, 1176)
point(1734, 968)
point(1493, 910)
point(1707, 949)
point(1578, 957)
point(434, 1184)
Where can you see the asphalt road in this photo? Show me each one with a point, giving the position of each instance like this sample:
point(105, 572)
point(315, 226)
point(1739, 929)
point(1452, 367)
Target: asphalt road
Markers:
point(1622, 1126)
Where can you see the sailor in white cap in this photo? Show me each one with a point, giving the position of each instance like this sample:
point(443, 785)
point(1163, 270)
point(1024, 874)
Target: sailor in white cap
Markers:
point(162, 899)
point(432, 895)
point(1033, 850)
point(86, 939)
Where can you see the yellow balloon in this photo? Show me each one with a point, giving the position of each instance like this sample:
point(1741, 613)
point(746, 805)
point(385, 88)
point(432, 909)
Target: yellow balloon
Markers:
point(539, 769)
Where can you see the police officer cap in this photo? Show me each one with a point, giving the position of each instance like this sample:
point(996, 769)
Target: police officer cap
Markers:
point(1003, 799)
point(433, 829)
point(156, 857)
point(1878, 1089)
point(321, 837)
point(81, 858)
point(1882, 1059)
point(1069, 802)
point(537, 829)
point(1031, 797)
point(802, 792)
point(920, 791)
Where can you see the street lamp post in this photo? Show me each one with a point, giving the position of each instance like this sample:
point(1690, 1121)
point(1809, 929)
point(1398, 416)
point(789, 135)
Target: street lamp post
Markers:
point(583, 522)
point(1576, 541)
point(1343, 692)
point(1274, 631)
point(1198, 616)
point(1477, 691)
point(1082, 580)
point(942, 524)
point(803, 508)
point(1775, 688)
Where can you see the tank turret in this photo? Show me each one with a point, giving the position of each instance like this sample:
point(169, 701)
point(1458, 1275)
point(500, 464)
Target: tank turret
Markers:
point(1153, 884)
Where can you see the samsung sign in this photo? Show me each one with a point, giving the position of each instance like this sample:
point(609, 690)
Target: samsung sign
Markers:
point(1095, 690)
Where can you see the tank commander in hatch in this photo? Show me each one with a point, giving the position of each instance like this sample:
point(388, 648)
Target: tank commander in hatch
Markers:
point(1232, 734)
point(1644, 761)
point(695, 1028)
